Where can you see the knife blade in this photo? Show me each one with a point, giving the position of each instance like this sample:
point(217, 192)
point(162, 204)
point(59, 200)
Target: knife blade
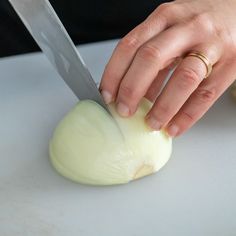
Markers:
point(47, 30)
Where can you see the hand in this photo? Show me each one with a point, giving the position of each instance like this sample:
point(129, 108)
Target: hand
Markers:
point(143, 58)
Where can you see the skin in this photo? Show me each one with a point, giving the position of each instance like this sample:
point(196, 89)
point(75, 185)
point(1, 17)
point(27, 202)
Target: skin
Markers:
point(143, 58)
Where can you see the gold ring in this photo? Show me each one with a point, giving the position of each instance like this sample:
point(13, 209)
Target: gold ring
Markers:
point(204, 59)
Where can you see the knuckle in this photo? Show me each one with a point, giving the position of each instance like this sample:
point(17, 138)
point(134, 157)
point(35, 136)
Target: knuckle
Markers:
point(201, 19)
point(148, 28)
point(110, 75)
point(206, 95)
point(190, 118)
point(127, 92)
point(189, 78)
point(204, 22)
point(163, 110)
point(128, 42)
point(150, 53)
point(166, 8)
point(161, 14)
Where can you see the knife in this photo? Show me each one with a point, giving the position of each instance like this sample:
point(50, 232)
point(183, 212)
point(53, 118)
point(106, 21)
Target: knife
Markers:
point(46, 28)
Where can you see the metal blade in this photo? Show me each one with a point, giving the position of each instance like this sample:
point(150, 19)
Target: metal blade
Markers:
point(47, 30)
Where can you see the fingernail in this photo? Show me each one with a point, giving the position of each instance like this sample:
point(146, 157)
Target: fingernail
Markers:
point(107, 97)
point(153, 123)
point(173, 130)
point(122, 109)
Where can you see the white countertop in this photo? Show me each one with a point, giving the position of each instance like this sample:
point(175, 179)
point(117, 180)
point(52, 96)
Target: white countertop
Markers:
point(194, 194)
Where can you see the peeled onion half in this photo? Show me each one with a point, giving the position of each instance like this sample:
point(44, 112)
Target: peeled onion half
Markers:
point(91, 147)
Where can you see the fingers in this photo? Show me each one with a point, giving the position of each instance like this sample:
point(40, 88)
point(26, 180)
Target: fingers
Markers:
point(158, 83)
point(163, 17)
point(149, 60)
point(202, 99)
point(184, 81)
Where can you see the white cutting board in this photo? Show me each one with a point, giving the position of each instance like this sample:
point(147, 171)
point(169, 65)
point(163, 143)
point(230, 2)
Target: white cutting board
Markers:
point(195, 194)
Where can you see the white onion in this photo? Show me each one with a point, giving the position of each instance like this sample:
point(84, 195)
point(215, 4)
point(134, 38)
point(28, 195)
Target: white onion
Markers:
point(91, 147)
